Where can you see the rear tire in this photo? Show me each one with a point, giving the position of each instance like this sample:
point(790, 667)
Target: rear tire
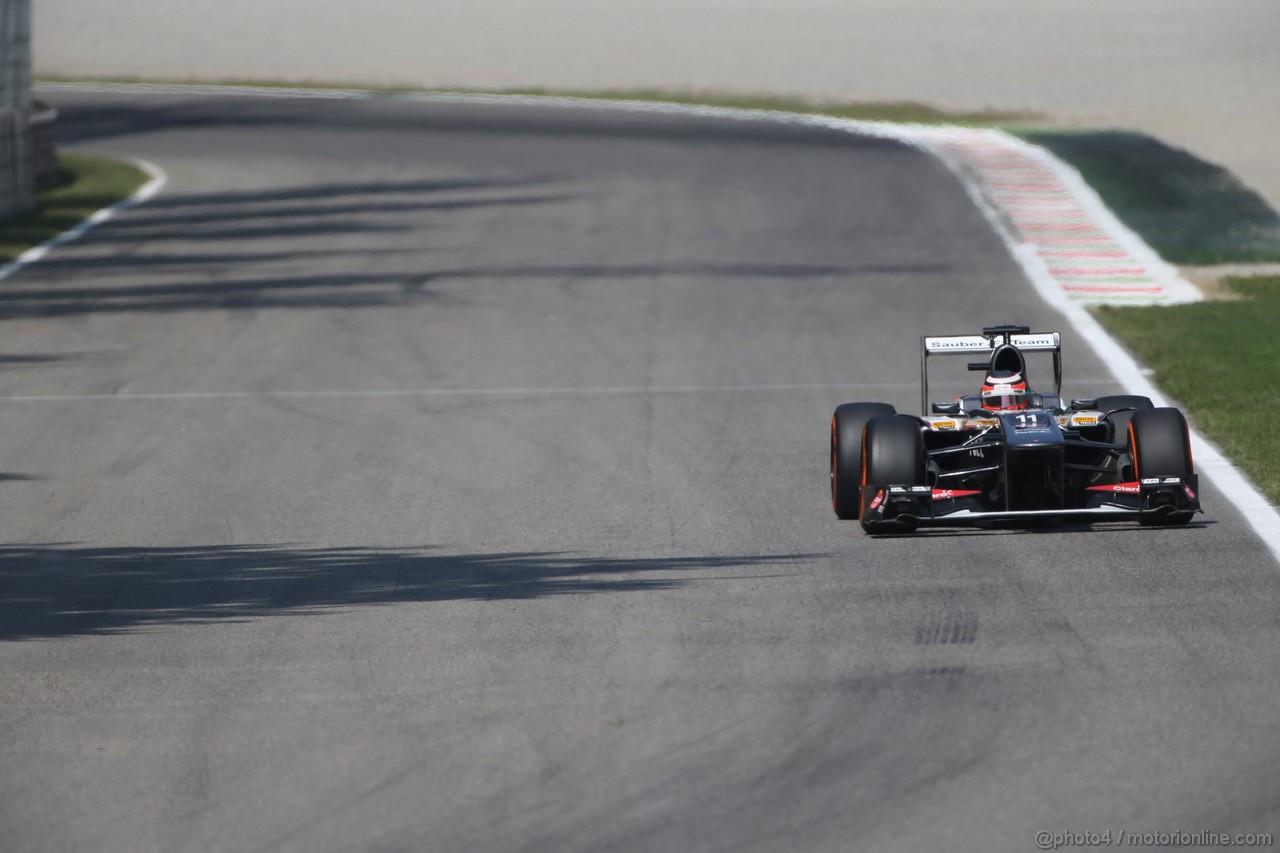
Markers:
point(1160, 446)
point(892, 454)
point(846, 455)
point(1120, 420)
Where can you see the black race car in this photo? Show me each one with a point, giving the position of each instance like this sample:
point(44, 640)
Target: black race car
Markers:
point(1017, 456)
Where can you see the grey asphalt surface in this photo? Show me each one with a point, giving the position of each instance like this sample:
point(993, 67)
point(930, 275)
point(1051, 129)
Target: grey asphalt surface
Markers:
point(441, 476)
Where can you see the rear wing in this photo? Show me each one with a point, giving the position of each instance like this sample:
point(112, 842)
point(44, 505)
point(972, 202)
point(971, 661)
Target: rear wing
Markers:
point(984, 344)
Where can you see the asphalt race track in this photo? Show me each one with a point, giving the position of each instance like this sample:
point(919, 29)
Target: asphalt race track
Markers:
point(422, 475)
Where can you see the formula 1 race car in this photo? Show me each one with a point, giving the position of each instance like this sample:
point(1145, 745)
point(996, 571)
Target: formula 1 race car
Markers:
point(1009, 454)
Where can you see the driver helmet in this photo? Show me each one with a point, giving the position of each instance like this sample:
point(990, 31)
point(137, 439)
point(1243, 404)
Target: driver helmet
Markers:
point(1004, 390)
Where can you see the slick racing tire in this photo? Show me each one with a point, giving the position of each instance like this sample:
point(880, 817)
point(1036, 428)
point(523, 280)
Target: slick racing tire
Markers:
point(846, 455)
point(1160, 446)
point(1120, 420)
point(892, 454)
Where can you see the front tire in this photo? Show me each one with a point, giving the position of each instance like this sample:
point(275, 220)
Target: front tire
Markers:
point(847, 425)
point(1160, 446)
point(892, 454)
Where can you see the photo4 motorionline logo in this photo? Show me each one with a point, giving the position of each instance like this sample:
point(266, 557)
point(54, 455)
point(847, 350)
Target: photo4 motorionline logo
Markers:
point(1046, 840)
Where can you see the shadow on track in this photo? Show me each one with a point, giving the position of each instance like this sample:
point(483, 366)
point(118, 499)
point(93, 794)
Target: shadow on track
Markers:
point(65, 590)
point(255, 250)
point(349, 290)
point(349, 243)
point(11, 361)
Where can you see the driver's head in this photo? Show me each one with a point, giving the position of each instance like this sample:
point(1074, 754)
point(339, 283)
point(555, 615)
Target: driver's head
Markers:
point(1004, 390)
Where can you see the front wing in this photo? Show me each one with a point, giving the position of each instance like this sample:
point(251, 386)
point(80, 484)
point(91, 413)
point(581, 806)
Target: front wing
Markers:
point(889, 508)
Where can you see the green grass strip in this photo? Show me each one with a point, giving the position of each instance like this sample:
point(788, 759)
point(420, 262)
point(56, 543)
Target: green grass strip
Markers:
point(1190, 211)
point(1221, 361)
point(85, 185)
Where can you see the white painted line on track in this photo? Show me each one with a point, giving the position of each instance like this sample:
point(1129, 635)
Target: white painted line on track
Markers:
point(597, 391)
point(967, 161)
point(157, 180)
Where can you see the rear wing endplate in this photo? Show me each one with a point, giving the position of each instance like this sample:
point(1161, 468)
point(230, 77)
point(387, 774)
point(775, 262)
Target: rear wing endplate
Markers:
point(984, 344)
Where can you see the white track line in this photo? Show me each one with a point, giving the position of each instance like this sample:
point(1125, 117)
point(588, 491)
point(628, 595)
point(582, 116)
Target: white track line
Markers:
point(597, 391)
point(157, 181)
point(1259, 513)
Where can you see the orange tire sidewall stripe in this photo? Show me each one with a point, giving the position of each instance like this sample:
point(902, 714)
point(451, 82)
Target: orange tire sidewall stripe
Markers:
point(1186, 435)
point(835, 465)
point(863, 463)
point(1133, 451)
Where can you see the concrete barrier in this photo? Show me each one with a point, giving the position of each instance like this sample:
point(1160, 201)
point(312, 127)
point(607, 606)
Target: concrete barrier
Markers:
point(17, 184)
point(17, 187)
point(44, 145)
